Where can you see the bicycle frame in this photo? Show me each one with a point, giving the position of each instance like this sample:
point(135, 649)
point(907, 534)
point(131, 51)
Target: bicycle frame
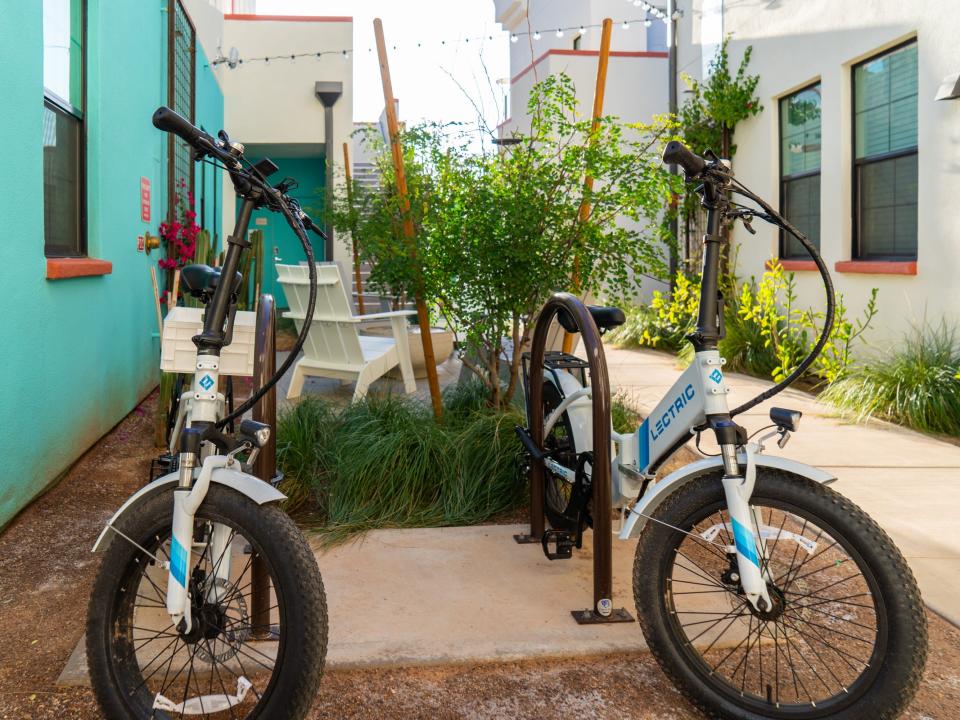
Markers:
point(697, 401)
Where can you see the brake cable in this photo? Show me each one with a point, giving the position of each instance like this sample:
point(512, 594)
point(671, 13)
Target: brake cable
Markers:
point(296, 224)
point(775, 218)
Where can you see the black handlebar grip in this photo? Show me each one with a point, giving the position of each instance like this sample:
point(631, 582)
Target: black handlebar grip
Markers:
point(172, 122)
point(676, 153)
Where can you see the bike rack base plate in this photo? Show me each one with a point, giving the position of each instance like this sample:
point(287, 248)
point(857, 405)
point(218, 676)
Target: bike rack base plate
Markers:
point(592, 617)
point(525, 539)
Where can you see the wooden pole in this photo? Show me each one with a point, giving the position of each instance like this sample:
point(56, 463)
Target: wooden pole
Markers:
point(265, 466)
point(423, 317)
point(598, 93)
point(172, 297)
point(156, 301)
point(357, 280)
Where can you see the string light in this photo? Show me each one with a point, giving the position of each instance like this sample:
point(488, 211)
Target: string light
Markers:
point(514, 37)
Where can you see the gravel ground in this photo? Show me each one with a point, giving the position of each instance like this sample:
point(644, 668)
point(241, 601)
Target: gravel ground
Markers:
point(46, 570)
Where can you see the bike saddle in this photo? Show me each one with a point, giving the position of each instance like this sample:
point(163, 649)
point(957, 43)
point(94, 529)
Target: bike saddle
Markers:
point(606, 318)
point(201, 280)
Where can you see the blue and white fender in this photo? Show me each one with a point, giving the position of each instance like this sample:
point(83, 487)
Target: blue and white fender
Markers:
point(253, 487)
point(648, 504)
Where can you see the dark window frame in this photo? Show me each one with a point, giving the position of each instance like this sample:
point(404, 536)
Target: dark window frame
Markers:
point(782, 179)
point(59, 104)
point(858, 164)
point(172, 140)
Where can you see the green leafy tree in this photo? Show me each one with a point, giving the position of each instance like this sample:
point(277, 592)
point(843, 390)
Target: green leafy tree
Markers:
point(710, 116)
point(498, 232)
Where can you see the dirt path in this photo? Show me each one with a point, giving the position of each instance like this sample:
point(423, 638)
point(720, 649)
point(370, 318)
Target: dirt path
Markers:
point(46, 570)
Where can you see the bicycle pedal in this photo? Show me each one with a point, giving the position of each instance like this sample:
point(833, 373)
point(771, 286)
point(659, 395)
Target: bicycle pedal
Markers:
point(562, 540)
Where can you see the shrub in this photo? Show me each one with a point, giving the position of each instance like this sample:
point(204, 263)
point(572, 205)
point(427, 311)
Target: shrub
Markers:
point(383, 462)
point(766, 334)
point(666, 322)
point(914, 384)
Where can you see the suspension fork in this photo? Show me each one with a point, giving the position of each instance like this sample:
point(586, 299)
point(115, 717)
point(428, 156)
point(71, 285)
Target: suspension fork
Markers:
point(751, 551)
point(187, 498)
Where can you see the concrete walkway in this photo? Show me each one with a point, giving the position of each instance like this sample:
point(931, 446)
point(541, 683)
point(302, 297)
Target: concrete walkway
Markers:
point(908, 482)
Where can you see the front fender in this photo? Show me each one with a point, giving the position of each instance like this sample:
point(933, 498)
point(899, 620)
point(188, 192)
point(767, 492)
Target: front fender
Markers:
point(648, 504)
point(253, 487)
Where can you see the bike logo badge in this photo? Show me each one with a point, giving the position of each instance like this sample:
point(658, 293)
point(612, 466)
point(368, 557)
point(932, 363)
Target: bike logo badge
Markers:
point(716, 376)
point(605, 606)
point(206, 382)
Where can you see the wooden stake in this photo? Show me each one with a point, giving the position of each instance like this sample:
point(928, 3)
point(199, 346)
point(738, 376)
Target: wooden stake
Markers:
point(156, 300)
point(423, 317)
point(172, 297)
point(358, 281)
point(598, 93)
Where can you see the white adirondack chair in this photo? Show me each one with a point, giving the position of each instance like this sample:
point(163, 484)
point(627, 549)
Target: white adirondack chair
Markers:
point(334, 347)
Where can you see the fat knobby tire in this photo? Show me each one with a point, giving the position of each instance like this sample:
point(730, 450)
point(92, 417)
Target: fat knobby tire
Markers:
point(296, 576)
point(906, 647)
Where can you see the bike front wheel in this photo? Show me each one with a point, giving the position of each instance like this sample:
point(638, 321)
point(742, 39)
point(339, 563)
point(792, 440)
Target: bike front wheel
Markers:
point(845, 638)
point(259, 637)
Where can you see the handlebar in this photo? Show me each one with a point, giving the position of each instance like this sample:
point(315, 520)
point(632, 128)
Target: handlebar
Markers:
point(173, 122)
point(676, 153)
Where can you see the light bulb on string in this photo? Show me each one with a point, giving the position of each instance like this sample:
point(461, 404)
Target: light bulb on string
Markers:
point(648, 22)
point(514, 38)
point(345, 55)
point(583, 30)
point(536, 35)
point(559, 33)
point(626, 25)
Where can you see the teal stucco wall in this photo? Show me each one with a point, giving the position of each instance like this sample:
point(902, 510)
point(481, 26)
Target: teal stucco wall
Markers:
point(79, 353)
point(277, 235)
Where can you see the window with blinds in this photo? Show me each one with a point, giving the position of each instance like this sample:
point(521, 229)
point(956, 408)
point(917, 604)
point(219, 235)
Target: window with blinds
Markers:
point(64, 213)
point(885, 155)
point(800, 168)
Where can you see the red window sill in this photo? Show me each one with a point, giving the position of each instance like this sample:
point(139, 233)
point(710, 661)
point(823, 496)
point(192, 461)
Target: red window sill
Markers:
point(878, 267)
point(63, 268)
point(794, 265)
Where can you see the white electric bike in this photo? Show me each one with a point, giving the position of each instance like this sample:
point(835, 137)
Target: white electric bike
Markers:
point(209, 601)
point(761, 591)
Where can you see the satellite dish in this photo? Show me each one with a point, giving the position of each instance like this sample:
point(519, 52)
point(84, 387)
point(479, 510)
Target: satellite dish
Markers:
point(233, 58)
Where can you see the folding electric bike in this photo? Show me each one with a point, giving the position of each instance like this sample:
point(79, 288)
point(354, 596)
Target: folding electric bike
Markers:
point(761, 591)
point(173, 628)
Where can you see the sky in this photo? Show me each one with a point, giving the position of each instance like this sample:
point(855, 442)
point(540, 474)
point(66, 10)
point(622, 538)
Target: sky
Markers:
point(455, 52)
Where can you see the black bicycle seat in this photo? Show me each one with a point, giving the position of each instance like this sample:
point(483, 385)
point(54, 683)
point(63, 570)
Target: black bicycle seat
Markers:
point(201, 280)
point(606, 318)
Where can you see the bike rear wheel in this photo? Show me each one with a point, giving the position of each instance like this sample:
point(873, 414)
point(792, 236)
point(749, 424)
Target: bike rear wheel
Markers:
point(846, 637)
point(559, 442)
point(277, 646)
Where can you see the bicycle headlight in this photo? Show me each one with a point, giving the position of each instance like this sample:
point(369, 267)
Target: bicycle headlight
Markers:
point(256, 433)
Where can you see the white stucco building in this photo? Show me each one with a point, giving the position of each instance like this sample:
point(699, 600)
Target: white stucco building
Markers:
point(851, 142)
point(637, 73)
point(296, 111)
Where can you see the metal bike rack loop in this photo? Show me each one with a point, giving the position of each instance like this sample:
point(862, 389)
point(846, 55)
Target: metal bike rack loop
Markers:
point(600, 475)
point(265, 466)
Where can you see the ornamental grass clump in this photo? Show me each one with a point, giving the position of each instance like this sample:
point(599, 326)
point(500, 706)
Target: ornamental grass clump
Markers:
point(383, 462)
point(914, 384)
